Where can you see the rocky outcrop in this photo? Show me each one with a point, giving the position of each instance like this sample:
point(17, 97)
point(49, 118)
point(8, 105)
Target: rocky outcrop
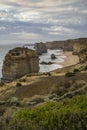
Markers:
point(40, 48)
point(64, 45)
point(55, 45)
point(19, 62)
point(46, 63)
point(80, 47)
point(53, 56)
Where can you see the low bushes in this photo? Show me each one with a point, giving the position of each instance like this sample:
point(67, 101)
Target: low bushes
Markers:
point(22, 80)
point(79, 84)
point(71, 114)
point(58, 90)
point(85, 68)
point(69, 74)
point(18, 84)
point(13, 101)
point(35, 100)
point(76, 70)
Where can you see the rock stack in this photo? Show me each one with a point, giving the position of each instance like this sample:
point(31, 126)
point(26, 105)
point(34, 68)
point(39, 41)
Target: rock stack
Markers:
point(19, 62)
point(53, 56)
point(40, 48)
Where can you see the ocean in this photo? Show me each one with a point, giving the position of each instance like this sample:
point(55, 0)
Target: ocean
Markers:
point(46, 57)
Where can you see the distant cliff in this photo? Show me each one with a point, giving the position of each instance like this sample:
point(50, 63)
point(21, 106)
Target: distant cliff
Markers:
point(78, 46)
point(65, 45)
point(40, 48)
point(18, 62)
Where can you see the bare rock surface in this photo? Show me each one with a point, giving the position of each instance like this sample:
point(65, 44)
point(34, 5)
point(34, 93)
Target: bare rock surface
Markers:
point(53, 56)
point(19, 62)
point(40, 48)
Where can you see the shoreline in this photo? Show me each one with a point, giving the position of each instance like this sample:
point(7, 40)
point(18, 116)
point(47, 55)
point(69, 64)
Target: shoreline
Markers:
point(70, 59)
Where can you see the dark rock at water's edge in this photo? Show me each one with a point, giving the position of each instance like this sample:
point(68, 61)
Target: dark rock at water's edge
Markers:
point(19, 62)
point(46, 63)
point(75, 53)
point(40, 48)
point(53, 56)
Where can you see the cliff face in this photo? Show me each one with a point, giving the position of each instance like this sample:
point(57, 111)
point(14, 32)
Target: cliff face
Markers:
point(65, 45)
point(79, 44)
point(80, 47)
point(55, 45)
point(40, 48)
point(18, 62)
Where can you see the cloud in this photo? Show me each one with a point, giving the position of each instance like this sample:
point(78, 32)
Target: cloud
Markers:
point(37, 20)
point(26, 36)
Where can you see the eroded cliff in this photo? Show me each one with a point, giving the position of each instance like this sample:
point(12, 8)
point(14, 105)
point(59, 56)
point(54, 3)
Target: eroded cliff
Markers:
point(18, 62)
point(78, 46)
point(40, 48)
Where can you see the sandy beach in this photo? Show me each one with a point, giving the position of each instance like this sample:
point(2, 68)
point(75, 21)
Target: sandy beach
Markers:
point(70, 59)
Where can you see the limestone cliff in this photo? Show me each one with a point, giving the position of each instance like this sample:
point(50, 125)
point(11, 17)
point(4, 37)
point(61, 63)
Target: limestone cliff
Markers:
point(40, 48)
point(64, 45)
point(80, 47)
point(18, 62)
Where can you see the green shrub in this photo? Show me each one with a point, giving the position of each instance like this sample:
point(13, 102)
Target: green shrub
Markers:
point(22, 80)
point(85, 68)
point(67, 84)
point(58, 90)
point(35, 100)
point(18, 84)
point(79, 84)
point(76, 70)
point(13, 101)
point(1, 84)
point(69, 74)
point(49, 74)
point(71, 114)
point(83, 51)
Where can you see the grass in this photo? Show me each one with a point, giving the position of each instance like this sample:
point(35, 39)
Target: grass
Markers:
point(71, 114)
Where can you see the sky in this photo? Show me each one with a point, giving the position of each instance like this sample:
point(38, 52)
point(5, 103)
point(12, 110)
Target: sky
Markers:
point(31, 21)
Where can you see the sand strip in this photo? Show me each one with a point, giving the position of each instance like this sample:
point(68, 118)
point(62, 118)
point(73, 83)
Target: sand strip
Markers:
point(70, 59)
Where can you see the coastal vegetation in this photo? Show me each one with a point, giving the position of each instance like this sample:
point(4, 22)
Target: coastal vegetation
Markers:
point(69, 74)
point(69, 114)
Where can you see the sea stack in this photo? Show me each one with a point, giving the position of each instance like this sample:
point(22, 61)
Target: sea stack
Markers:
point(19, 62)
point(40, 48)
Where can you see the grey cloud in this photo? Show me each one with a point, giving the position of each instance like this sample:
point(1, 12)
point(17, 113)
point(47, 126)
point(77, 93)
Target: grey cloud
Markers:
point(42, 20)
